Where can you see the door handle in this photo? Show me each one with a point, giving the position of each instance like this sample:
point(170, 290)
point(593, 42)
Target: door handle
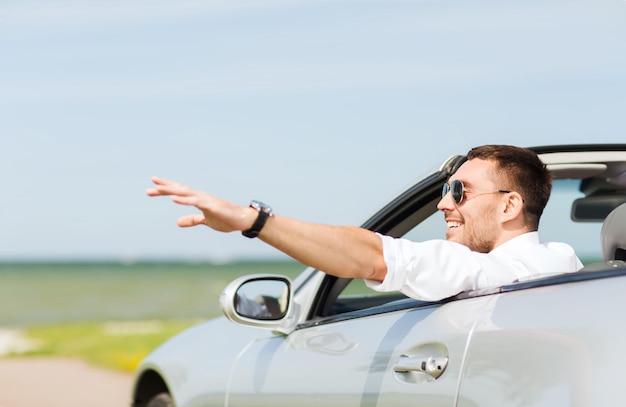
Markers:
point(433, 366)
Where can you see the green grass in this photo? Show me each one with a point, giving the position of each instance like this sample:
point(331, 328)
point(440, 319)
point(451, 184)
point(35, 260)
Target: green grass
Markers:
point(113, 314)
point(117, 345)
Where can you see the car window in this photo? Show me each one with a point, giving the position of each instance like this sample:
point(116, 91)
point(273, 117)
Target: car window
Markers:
point(356, 295)
point(556, 224)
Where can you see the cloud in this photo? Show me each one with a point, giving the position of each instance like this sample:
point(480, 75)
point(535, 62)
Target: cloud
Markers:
point(436, 48)
point(87, 12)
point(288, 78)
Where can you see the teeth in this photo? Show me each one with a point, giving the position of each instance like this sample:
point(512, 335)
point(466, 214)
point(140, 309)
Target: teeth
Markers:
point(454, 224)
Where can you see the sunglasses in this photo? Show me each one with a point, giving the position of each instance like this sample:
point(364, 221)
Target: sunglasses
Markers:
point(457, 189)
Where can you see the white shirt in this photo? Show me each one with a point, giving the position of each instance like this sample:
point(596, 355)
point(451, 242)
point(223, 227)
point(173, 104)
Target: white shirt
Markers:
point(437, 269)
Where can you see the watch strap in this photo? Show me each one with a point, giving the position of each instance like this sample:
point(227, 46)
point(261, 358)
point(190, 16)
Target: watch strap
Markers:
point(264, 213)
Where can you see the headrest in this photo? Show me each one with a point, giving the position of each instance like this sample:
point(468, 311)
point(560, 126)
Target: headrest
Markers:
point(614, 234)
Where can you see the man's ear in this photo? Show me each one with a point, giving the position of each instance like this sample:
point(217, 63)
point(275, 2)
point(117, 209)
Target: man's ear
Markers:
point(513, 206)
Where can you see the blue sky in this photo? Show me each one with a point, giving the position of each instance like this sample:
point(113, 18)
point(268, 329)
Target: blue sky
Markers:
point(323, 109)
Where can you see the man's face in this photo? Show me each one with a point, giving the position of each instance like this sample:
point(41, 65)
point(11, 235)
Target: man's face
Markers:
point(473, 222)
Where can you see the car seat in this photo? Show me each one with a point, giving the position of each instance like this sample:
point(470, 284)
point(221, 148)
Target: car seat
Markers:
point(613, 235)
point(613, 241)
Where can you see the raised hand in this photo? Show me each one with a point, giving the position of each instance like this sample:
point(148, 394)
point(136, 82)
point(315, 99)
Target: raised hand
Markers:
point(216, 213)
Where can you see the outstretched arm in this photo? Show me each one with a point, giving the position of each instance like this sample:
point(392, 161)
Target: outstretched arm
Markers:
point(342, 251)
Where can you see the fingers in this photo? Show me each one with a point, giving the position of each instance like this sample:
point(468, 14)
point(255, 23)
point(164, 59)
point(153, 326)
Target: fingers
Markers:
point(190, 220)
point(167, 187)
point(158, 182)
point(186, 200)
point(215, 213)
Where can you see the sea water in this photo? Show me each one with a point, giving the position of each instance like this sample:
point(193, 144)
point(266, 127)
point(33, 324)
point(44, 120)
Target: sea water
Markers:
point(41, 293)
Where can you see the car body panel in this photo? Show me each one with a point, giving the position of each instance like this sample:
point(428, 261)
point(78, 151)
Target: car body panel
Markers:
point(362, 358)
point(533, 350)
point(191, 362)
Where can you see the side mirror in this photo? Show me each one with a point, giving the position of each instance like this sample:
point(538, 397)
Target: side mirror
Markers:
point(258, 300)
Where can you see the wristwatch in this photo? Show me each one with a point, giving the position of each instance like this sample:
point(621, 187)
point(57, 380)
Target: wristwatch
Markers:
point(264, 213)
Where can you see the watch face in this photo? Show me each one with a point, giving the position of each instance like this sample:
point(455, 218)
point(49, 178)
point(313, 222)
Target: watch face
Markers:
point(261, 207)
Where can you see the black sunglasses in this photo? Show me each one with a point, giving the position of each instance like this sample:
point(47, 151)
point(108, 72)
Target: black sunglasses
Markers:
point(457, 189)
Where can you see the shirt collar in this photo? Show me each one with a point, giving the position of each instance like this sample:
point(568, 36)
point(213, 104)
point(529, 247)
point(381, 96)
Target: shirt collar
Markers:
point(529, 237)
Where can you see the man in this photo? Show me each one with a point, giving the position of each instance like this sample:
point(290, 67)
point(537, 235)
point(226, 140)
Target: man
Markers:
point(492, 206)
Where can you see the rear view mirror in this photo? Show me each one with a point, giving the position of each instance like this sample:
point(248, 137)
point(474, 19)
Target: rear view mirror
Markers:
point(595, 208)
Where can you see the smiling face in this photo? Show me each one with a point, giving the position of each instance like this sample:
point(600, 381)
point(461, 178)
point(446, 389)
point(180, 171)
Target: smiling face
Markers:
point(475, 222)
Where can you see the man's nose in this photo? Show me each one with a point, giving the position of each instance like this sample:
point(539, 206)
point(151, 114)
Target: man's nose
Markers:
point(446, 203)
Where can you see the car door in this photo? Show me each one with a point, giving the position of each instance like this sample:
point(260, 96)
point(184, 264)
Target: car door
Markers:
point(399, 354)
point(560, 344)
point(362, 354)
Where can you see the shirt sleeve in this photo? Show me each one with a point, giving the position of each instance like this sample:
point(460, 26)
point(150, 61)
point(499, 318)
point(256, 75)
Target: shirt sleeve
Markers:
point(429, 270)
point(437, 269)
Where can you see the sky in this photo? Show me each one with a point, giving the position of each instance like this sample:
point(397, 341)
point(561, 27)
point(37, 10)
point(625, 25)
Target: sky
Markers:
point(323, 109)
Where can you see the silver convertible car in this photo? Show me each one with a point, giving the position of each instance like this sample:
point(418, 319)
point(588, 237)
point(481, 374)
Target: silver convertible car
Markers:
point(554, 340)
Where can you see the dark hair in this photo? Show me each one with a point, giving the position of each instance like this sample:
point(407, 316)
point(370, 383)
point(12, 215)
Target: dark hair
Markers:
point(522, 171)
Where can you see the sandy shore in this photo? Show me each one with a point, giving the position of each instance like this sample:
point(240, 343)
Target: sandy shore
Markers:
point(54, 381)
point(37, 382)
